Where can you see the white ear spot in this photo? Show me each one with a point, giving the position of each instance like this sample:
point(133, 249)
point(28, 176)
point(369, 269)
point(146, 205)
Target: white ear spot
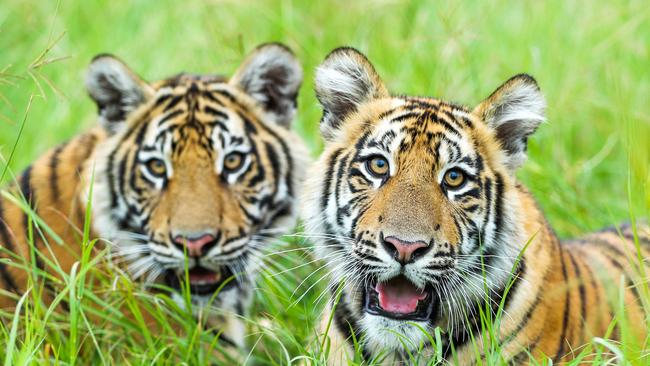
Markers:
point(345, 79)
point(524, 103)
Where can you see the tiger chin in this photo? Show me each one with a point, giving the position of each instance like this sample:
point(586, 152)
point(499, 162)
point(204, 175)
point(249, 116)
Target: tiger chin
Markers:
point(190, 177)
point(416, 210)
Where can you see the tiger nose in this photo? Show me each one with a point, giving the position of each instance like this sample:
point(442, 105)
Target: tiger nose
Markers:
point(196, 244)
point(403, 251)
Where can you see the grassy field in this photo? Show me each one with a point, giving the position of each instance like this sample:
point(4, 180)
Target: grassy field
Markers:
point(589, 166)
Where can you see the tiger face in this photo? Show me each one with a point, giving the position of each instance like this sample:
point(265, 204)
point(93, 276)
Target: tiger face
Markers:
point(197, 171)
point(413, 197)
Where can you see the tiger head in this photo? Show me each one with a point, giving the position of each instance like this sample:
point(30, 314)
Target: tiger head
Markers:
point(413, 202)
point(196, 173)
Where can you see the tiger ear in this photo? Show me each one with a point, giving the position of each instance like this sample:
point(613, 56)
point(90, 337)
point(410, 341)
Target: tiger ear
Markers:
point(344, 81)
point(116, 90)
point(513, 112)
point(272, 75)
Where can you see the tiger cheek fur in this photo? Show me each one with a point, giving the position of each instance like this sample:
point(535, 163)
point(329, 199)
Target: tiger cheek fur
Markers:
point(194, 172)
point(416, 210)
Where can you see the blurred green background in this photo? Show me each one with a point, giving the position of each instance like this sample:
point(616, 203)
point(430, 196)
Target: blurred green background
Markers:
point(590, 58)
point(588, 166)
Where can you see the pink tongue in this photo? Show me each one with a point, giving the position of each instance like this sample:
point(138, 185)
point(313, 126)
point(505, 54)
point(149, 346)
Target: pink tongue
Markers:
point(201, 276)
point(399, 296)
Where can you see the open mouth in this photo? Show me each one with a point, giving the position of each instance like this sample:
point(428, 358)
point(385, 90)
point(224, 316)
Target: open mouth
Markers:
point(399, 299)
point(202, 281)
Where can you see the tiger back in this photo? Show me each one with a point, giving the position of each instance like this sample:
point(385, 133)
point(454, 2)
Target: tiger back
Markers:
point(187, 178)
point(416, 210)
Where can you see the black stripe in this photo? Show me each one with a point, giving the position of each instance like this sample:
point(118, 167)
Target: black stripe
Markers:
point(275, 167)
point(287, 154)
point(110, 168)
point(254, 220)
point(212, 98)
point(446, 124)
point(498, 210)
point(26, 190)
point(327, 181)
point(387, 113)
point(215, 112)
point(227, 95)
point(168, 117)
point(4, 233)
point(405, 116)
point(173, 102)
point(340, 169)
point(161, 99)
point(54, 178)
point(8, 244)
point(455, 118)
point(223, 339)
point(567, 305)
point(474, 192)
point(594, 286)
point(581, 288)
point(487, 188)
point(598, 241)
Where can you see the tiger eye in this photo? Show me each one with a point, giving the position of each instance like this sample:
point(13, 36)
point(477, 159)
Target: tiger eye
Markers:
point(378, 166)
point(233, 161)
point(454, 178)
point(156, 167)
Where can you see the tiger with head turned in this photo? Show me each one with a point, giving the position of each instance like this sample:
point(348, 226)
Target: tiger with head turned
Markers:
point(415, 207)
point(192, 173)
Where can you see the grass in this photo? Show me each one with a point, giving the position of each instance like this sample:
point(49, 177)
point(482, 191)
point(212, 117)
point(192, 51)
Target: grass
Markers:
point(589, 165)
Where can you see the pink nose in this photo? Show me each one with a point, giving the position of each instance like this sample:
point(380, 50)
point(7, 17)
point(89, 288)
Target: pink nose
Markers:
point(401, 250)
point(196, 246)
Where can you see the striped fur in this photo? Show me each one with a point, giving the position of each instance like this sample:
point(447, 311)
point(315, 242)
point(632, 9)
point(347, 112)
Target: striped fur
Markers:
point(190, 124)
point(555, 296)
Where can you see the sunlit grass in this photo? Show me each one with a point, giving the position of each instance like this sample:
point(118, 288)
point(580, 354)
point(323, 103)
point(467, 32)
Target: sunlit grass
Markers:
point(589, 165)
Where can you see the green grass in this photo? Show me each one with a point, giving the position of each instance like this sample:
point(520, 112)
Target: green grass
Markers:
point(588, 166)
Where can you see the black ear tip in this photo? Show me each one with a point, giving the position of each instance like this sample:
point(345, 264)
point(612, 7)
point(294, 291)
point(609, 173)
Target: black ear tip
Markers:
point(345, 50)
point(101, 56)
point(276, 45)
point(525, 79)
point(276, 49)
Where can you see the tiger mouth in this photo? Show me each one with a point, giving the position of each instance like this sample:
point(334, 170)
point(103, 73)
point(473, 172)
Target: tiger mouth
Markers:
point(399, 299)
point(202, 281)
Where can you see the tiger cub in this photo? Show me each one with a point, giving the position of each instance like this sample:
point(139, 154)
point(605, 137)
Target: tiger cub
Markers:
point(191, 172)
point(415, 207)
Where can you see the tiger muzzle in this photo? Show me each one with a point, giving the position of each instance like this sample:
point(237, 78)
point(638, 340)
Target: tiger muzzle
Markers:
point(400, 299)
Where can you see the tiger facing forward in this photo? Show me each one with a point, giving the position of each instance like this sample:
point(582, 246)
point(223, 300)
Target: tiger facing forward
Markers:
point(415, 207)
point(188, 172)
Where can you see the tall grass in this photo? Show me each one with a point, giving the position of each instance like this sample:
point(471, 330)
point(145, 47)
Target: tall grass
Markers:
point(588, 166)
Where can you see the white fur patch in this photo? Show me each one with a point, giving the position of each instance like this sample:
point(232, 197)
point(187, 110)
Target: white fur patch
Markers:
point(344, 79)
point(523, 103)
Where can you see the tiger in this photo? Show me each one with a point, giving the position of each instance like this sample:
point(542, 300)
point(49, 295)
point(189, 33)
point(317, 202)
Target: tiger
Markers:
point(186, 177)
point(428, 235)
